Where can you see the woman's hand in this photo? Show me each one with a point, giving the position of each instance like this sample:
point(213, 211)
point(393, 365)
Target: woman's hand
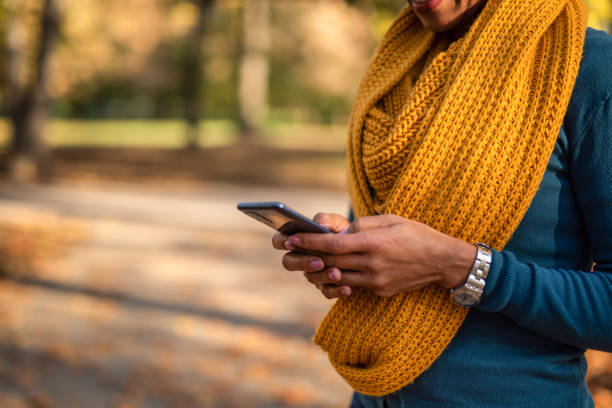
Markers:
point(387, 254)
point(294, 261)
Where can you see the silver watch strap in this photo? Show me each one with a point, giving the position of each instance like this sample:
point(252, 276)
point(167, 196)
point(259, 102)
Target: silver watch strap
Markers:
point(480, 269)
point(469, 293)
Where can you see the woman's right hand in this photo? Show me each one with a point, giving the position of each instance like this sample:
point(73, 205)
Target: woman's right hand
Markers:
point(311, 265)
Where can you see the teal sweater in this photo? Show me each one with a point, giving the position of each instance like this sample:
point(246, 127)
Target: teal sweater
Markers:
point(524, 345)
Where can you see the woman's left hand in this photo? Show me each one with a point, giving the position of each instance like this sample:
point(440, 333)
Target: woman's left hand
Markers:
point(385, 253)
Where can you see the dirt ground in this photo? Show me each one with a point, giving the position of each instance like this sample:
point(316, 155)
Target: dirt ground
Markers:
point(168, 298)
point(134, 282)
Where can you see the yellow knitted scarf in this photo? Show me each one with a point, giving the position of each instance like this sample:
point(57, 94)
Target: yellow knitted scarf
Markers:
point(457, 138)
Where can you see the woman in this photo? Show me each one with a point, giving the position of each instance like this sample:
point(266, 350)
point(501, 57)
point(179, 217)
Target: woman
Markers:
point(478, 121)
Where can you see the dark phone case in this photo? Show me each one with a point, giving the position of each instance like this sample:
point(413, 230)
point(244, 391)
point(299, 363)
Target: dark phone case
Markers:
point(280, 217)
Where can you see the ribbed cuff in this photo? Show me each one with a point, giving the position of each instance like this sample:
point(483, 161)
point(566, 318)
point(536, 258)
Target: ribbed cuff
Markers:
point(501, 282)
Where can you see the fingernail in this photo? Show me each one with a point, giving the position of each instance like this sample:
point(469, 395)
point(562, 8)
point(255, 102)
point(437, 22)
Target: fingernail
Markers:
point(316, 263)
point(344, 232)
point(294, 240)
point(289, 246)
point(346, 291)
point(334, 275)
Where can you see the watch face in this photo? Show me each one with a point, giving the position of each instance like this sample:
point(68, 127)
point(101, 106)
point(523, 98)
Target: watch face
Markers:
point(464, 299)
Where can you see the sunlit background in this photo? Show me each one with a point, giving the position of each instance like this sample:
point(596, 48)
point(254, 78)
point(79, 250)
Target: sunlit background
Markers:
point(129, 130)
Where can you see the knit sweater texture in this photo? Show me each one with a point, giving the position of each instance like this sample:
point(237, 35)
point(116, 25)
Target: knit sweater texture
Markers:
point(457, 137)
point(523, 346)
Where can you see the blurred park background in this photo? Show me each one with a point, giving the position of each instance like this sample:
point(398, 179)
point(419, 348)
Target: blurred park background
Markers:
point(129, 129)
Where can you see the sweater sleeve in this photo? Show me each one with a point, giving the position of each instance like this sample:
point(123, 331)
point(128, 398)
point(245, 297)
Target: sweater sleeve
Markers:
point(570, 306)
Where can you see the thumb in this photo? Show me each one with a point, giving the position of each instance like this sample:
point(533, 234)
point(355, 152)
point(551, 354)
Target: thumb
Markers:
point(333, 222)
point(373, 222)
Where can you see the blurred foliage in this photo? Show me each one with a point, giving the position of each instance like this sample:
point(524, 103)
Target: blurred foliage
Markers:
point(600, 14)
point(133, 67)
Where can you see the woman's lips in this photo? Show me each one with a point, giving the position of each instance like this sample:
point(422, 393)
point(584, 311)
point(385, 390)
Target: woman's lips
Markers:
point(424, 5)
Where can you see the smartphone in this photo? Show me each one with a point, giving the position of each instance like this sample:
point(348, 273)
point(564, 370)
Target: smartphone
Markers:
point(281, 218)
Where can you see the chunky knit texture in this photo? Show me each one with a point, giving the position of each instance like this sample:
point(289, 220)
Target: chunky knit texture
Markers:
point(457, 138)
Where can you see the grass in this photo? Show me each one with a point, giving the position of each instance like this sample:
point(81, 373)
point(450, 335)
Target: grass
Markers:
point(171, 134)
point(127, 133)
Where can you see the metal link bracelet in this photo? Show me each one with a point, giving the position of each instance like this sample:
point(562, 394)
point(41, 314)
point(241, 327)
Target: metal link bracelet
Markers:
point(469, 293)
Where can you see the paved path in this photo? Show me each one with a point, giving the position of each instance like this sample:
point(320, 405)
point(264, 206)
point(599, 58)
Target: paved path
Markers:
point(172, 299)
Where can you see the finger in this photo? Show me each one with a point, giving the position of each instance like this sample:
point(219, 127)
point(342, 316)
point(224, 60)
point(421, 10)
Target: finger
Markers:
point(359, 279)
point(327, 276)
point(330, 243)
point(373, 222)
point(336, 277)
point(332, 292)
point(333, 222)
point(307, 276)
point(279, 241)
point(297, 262)
point(352, 262)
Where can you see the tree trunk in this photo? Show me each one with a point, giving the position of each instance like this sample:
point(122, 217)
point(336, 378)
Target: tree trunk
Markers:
point(255, 66)
point(30, 157)
point(13, 67)
point(193, 73)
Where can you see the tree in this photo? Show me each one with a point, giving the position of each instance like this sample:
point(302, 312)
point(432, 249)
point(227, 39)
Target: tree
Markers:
point(254, 66)
point(30, 157)
point(193, 71)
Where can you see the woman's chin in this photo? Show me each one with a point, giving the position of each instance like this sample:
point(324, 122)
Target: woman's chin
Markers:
point(447, 15)
point(436, 25)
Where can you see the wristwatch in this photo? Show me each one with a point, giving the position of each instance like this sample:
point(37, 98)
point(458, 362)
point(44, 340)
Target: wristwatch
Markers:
point(469, 293)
